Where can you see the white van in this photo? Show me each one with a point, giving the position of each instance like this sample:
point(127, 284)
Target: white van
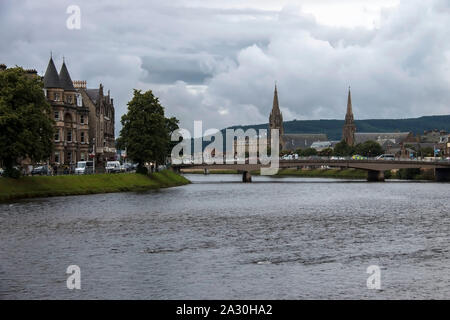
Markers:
point(386, 157)
point(113, 167)
point(84, 167)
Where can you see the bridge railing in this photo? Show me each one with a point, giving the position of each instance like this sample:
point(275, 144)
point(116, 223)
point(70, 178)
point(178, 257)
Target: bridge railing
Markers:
point(334, 158)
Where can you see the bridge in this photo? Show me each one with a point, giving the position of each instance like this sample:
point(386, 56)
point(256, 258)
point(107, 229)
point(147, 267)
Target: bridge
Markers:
point(375, 168)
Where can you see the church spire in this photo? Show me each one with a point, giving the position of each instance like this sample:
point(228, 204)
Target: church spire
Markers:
point(276, 118)
point(348, 132)
point(275, 105)
point(349, 115)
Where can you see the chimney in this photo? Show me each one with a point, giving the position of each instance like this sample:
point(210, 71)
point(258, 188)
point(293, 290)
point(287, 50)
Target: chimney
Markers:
point(79, 84)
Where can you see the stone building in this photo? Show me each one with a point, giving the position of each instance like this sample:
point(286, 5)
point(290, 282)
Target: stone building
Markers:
point(291, 141)
point(71, 116)
point(101, 120)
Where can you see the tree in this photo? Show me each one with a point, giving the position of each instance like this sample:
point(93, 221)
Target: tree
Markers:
point(426, 152)
point(328, 152)
point(308, 152)
point(342, 149)
point(369, 149)
point(145, 130)
point(26, 128)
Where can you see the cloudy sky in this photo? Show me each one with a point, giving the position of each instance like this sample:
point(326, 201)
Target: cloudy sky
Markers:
point(218, 60)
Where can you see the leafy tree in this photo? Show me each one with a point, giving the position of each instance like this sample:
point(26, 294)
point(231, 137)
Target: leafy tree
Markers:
point(145, 130)
point(426, 152)
point(326, 152)
point(369, 149)
point(342, 149)
point(308, 152)
point(26, 128)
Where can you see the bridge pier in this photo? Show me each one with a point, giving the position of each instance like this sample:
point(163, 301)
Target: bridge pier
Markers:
point(375, 175)
point(442, 174)
point(246, 176)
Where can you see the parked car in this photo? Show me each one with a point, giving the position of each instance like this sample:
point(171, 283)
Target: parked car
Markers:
point(84, 167)
point(127, 167)
point(113, 167)
point(41, 171)
point(386, 157)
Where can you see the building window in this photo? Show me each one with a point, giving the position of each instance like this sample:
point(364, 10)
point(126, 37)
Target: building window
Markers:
point(69, 157)
point(82, 157)
point(69, 98)
point(69, 135)
point(57, 157)
point(57, 97)
point(57, 135)
point(82, 119)
point(79, 100)
point(82, 137)
point(56, 115)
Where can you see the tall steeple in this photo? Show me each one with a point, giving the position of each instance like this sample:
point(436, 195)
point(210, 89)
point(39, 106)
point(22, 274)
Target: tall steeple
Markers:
point(276, 118)
point(64, 78)
point(275, 105)
point(51, 78)
point(348, 132)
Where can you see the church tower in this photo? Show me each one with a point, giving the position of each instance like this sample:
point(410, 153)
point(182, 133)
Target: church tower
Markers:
point(276, 118)
point(348, 133)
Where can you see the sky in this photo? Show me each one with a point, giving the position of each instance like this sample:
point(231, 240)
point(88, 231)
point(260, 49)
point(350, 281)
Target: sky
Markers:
point(218, 60)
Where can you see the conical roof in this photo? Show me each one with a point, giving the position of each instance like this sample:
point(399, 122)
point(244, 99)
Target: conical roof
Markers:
point(51, 78)
point(64, 78)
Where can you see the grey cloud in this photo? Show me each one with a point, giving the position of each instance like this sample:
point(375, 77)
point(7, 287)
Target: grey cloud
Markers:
point(217, 61)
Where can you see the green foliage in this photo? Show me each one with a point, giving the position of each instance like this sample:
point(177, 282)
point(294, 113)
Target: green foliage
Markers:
point(26, 128)
point(388, 174)
point(426, 152)
point(408, 174)
point(326, 173)
point(328, 152)
point(145, 130)
point(308, 152)
point(342, 149)
point(369, 149)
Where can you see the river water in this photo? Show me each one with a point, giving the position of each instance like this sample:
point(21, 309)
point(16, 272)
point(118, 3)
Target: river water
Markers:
point(275, 238)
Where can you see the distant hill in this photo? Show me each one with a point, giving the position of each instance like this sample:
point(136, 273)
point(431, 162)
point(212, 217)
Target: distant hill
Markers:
point(333, 128)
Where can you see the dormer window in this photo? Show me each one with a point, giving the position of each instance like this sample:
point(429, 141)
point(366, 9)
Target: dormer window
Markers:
point(57, 96)
point(69, 99)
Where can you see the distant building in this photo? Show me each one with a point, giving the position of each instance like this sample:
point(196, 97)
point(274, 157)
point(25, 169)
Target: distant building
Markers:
point(291, 141)
point(433, 136)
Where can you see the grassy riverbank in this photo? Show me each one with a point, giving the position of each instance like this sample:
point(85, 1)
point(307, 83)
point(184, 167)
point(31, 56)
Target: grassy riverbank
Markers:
point(46, 186)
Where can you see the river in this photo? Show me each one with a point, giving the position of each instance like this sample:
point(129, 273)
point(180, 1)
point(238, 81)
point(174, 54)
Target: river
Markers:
point(275, 238)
